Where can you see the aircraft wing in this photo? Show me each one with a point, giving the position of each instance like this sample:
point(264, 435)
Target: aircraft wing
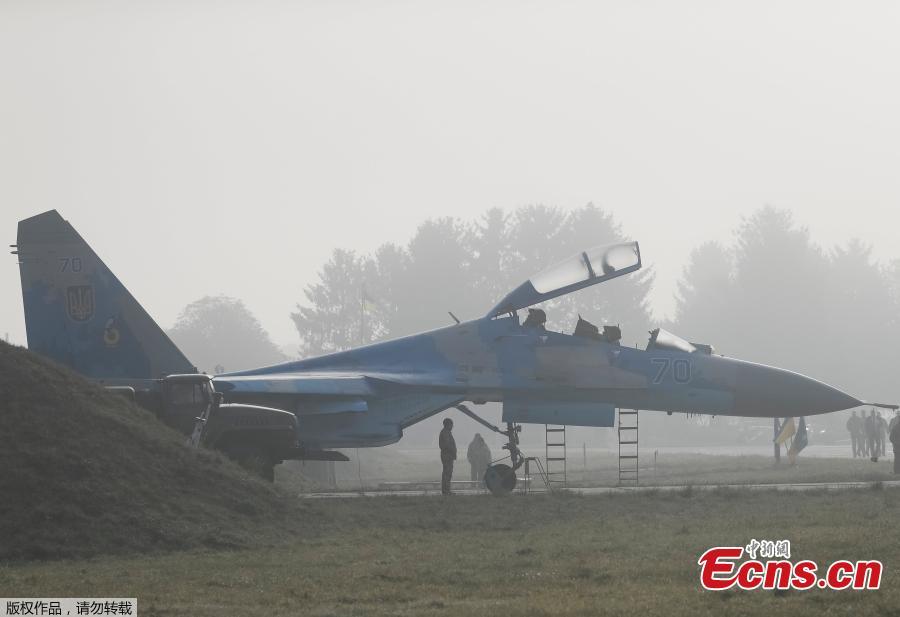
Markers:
point(326, 383)
point(340, 384)
point(323, 394)
point(587, 268)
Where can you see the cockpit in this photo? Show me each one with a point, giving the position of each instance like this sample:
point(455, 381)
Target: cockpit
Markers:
point(610, 334)
point(537, 318)
point(585, 269)
point(659, 338)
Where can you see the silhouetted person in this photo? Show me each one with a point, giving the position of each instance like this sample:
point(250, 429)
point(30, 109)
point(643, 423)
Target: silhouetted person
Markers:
point(863, 435)
point(871, 424)
point(854, 428)
point(895, 443)
point(536, 319)
point(882, 426)
point(448, 454)
point(479, 455)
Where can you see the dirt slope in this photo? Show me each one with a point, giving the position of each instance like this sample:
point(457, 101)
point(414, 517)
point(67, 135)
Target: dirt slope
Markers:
point(83, 472)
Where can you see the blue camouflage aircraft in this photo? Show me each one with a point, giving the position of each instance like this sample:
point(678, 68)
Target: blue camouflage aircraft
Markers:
point(77, 312)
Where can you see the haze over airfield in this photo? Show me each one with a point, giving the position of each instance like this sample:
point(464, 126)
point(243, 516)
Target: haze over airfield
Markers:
point(205, 148)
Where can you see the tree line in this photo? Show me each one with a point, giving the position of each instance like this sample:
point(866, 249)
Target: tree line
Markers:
point(770, 294)
point(452, 265)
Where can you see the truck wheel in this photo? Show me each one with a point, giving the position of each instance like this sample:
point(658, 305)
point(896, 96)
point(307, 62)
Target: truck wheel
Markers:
point(255, 461)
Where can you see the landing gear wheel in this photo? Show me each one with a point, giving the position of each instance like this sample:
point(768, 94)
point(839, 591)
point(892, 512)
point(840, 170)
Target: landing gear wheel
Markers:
point(500, 479)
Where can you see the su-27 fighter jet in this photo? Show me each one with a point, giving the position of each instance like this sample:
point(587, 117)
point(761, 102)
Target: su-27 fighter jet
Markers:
point(78, 313)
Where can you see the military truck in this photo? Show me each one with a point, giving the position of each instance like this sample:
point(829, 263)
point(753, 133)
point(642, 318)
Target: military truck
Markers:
point(256, 437)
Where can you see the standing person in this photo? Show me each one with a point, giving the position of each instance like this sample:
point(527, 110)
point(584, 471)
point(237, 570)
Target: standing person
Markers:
point(883, 432)
point(853, 423)
point(895, 442)
point(479, 455)
point(862, 436)
point(876, 422)
point(871, 424)
point(448, 454)
point(485, 458)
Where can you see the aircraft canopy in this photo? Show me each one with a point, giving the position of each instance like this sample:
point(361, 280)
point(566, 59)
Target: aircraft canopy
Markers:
point(587, 268)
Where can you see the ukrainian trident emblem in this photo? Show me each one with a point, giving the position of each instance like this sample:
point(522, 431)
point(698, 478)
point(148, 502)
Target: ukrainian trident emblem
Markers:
point(80, 302)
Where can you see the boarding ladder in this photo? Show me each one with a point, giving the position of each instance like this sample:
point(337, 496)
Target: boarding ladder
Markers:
point(628, 447)
point(555, 455)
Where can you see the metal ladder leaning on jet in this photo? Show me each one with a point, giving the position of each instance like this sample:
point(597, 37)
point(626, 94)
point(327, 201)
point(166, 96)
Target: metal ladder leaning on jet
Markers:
point(555, 455)
point(78, 313)
point(629, 463)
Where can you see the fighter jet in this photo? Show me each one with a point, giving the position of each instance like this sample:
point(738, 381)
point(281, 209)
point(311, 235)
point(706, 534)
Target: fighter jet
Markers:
point(77, 312)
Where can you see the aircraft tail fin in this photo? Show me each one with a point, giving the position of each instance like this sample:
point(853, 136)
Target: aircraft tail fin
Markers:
point(78, 313)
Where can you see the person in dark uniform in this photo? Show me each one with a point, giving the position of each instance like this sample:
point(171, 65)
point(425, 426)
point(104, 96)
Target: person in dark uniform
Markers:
point(871, 424)
point(853, 427)
point(894, 436)
point(448, 454)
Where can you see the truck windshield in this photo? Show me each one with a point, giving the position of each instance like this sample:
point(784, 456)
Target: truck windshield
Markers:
point(189, 393)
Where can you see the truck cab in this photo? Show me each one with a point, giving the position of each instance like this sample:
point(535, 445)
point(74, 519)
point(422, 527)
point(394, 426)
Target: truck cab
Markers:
point(185, 398)
point(257, 437)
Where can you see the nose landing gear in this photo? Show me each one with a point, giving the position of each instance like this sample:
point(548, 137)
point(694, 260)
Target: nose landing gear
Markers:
point(500, 478)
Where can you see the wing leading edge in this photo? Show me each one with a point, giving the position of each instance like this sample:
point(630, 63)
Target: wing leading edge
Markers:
point(335, 383)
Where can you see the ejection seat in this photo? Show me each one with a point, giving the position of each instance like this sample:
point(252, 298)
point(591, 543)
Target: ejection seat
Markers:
point(584, 328)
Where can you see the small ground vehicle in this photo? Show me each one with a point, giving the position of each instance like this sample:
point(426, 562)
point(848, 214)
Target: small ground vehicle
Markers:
point(257, 437)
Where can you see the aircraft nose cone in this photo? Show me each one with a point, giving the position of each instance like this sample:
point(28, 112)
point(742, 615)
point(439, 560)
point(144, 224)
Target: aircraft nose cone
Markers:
point(768, 391)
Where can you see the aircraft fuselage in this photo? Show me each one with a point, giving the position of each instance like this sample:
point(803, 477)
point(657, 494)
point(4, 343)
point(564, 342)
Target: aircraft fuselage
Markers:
point(538, 375)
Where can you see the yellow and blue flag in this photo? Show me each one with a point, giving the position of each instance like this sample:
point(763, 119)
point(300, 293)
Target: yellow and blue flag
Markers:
point(786, 432)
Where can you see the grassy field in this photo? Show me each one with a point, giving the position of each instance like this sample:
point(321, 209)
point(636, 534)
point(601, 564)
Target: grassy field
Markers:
point(539, 555)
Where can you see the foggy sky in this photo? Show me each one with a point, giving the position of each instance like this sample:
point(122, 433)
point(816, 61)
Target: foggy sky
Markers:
point(206, 148)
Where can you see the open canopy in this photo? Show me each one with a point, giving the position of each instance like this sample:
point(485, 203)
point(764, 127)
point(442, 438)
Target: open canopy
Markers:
point(587, 268)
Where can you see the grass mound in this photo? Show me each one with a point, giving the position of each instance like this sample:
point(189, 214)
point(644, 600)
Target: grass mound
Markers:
point(84, 472)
